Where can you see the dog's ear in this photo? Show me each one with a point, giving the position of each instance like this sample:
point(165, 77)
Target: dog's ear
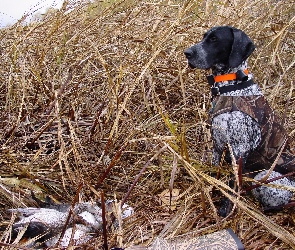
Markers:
point(242, 48)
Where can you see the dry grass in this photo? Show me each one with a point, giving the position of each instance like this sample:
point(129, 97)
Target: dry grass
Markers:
point(94, 93)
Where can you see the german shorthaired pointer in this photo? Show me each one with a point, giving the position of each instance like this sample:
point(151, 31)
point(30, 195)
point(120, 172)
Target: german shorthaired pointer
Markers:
point(240, 115)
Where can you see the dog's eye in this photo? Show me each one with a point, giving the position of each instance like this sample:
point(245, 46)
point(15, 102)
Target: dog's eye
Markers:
point(213, 39)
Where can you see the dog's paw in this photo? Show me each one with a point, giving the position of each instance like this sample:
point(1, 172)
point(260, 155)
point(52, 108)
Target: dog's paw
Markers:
point(273, 197)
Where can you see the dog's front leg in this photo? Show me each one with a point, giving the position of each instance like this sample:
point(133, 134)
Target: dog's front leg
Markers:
point(220, 143)
point(242, 133)
point(225, 204)
point(216, 157)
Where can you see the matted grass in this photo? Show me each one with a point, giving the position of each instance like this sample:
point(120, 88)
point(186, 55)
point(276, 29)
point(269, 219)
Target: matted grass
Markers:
point(94, 93)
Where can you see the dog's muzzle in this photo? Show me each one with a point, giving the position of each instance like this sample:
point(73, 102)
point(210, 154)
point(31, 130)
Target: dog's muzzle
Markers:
point(189, 54)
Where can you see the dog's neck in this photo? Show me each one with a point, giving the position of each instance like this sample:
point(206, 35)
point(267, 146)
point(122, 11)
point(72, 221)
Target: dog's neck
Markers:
point(222, 69)
point(252, 90)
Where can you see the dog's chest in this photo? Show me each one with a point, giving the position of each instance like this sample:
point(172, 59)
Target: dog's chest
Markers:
point(273, 135)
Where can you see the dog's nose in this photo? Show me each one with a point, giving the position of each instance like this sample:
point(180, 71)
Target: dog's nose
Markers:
point(188, 53)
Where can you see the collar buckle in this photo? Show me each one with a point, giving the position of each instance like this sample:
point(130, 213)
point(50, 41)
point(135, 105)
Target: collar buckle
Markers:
point(242, 75)
point(215, 91)
point(211, 80)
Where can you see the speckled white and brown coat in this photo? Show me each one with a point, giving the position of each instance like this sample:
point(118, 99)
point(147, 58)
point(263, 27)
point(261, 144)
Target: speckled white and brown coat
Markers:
point(273, 136)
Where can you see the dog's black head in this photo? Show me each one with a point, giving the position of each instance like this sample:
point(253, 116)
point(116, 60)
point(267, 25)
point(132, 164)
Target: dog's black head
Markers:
point(222, 47)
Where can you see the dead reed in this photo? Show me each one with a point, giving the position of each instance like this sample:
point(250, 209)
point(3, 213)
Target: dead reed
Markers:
point(96, 92)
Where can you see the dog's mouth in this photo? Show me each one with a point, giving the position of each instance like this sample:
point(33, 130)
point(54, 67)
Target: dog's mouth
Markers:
point(192, 66)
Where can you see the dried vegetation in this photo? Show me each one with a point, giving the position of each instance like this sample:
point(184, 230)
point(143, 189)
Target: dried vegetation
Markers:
point(96, 92)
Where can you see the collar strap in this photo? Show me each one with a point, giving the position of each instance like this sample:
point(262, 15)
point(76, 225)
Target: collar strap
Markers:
point(232, 76)
point(239, 75)
point(225, 89)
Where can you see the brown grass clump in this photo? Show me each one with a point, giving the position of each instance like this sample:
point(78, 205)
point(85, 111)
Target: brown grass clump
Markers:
point(96, 92)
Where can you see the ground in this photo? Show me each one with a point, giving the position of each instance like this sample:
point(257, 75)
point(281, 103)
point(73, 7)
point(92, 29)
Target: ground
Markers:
point(93, 94)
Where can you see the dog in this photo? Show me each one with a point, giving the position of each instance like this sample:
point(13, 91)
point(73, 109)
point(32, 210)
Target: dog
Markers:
point(240, 116)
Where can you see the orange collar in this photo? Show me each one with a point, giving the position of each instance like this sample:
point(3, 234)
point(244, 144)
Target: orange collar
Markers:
point(228, 77)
